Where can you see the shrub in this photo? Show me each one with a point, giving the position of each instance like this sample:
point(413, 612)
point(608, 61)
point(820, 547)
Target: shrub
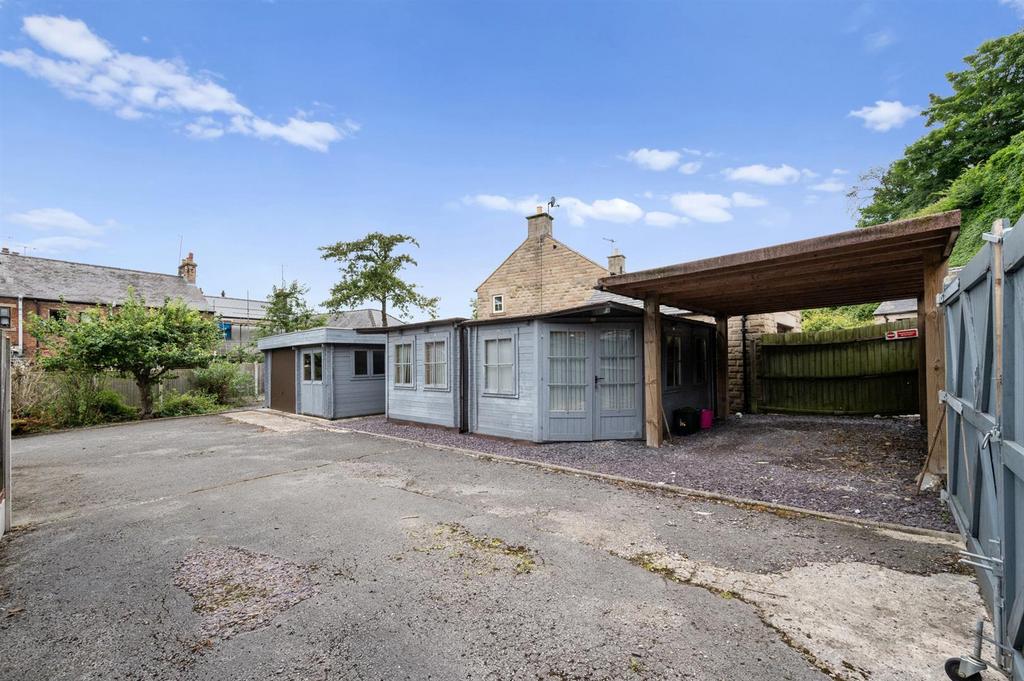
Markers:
point(77, 400)
point(227, 382)
point(113, 407)
point(186, 404)
point(32, 391)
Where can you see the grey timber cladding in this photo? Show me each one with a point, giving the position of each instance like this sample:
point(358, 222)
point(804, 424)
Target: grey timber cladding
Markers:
point(512, 416)
point(355, 395)
point(418, 401)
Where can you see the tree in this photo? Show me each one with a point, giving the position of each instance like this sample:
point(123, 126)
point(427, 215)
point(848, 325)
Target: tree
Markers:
point(131, 339)
point(370, 272)
point(981, 117)
point(288, 311)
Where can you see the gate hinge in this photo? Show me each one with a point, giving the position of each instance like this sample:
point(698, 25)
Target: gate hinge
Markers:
point(992, 238)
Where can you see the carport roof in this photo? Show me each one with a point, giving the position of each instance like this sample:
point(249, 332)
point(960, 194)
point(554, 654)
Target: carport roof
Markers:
point(858, 266)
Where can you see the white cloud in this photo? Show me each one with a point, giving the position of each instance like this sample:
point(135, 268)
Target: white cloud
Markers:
point(840, 171)
point(884, 115)
point(879, 40)
point(604, 210)
point(659, 219)
point(653, 159)
point(762, 174)
point(830, 185)
point(744, 200)
point(690, 167)
point(54, 219)
point(133, 86)
point(59, 244)
point(576, 210)
point(703, 207)
point(1016, 4)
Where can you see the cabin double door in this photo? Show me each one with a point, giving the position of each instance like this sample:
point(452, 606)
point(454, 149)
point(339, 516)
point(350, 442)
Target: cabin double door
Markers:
point(592, 386)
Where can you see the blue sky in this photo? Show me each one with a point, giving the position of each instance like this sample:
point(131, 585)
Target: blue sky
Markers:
point(253, 133)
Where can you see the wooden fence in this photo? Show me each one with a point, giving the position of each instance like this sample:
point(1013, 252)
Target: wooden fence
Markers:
point(851, 371)
point(182, 382)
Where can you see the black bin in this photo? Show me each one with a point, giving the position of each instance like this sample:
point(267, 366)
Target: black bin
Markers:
point(685, 421)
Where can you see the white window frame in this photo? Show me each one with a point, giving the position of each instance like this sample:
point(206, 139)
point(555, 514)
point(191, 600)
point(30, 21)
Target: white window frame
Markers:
point(412, 364)
point(312, 380)
point(370, 374)
point(514, 394)
point(443, 364)
point(498, 303)
point(10, 316)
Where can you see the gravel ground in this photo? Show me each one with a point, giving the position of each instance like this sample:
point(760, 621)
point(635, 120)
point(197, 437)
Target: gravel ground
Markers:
point(860, 467)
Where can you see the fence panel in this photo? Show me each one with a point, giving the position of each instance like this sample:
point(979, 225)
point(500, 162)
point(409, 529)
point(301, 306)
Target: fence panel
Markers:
point(984, 324)
point(850, 371)
point(182, 382)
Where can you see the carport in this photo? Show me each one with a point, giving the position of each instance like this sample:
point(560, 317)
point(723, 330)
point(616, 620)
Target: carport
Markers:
point(902, 259)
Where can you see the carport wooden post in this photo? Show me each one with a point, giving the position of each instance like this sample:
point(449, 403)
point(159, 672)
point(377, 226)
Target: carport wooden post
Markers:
point(922, 362)
point(721, 366)
point(652, 370)
point(934, 368)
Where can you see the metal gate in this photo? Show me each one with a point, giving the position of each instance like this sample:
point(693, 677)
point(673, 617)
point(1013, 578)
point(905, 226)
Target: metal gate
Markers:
point(5, 433)
point(984, 396)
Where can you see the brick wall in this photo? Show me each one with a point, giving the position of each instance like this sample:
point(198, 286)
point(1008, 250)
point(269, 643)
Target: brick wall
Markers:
point(32, 306)
point(541, 275)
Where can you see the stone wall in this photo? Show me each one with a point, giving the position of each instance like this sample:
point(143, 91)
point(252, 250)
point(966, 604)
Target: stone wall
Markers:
point(757, 326)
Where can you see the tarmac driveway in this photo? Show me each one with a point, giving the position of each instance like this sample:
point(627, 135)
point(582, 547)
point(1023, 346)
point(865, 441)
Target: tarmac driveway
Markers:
point(261, 546)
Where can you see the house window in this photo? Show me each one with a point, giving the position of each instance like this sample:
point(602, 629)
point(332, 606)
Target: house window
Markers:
point(312, 367)
point(499, 366)
point(435, 364)
point(58, 313)
point(700, 373)
point(5, 317)
point(674, 362)
point(567, 379)
point(225, 329)
point(403, 364)
point(497, 304)
point(369, 362)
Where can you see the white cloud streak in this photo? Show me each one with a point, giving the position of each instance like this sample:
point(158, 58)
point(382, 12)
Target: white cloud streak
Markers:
point(52, 245)
point(132, 86)
point(576, 210)
point(1016, 4)
point(690, 168)
point(830, 185)
point(659, 219)
point(46, 219)
point(884, 115)
point(766, 175)
point(703, 207)
point(654, 159)
point(744, 200)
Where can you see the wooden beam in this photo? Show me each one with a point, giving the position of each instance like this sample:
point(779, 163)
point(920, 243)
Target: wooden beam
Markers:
point(652, 371)
point(935, 372)
point(922, 362)
point(721, 367)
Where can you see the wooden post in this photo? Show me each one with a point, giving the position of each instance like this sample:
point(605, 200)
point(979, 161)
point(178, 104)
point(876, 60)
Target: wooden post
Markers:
point(652, 370)
point(721, 366)
point(922, 361)
point(935, 372)
point(755, 381)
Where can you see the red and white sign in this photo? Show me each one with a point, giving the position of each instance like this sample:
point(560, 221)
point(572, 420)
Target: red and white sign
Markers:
point(902, 334)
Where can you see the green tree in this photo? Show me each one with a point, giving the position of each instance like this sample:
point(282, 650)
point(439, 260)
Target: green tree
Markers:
point(370, 271)
point(841, 317)
point(131, 339)
point(981, 117)
point(289, 311)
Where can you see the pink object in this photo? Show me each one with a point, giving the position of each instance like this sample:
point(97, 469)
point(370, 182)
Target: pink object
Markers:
point(706, 418)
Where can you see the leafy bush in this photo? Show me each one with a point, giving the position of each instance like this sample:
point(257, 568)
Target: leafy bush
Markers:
point(113, 407)
point(80, 400)
point(227, 382)
point(841, 317)
point(186, 404)
point(32, 391)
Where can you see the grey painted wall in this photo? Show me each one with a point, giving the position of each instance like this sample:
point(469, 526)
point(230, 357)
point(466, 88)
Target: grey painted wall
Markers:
point(691, 393)
point(438, 406)
point(355, 395)
point(513, 416)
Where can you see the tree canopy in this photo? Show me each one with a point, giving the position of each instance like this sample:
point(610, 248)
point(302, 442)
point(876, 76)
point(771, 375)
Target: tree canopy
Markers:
point(371, 271)
point(134, 340)
point(981, 117)
point(289, 311)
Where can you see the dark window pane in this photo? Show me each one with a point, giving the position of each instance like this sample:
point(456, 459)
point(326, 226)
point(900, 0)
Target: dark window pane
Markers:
point(378, 362)
point(361, 363)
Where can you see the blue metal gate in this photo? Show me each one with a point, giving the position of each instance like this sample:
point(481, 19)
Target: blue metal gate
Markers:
point(984, 396)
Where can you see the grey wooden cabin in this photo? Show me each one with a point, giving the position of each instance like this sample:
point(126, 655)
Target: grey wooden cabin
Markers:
point(571, 375)
point(326, 372)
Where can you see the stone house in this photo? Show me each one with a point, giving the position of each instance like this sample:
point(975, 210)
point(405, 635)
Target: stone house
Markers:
point(46, 287)
point(544, 275)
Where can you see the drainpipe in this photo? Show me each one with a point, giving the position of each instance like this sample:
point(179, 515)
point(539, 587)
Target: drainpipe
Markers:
point(21, 326)
point(746, 373)
point(462, 334)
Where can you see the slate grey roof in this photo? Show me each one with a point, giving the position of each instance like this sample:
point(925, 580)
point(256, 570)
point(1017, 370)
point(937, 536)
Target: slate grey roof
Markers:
point(237, 308)
point(608, 297)
point(902, 306)
point(75, 282)
point(359, 319)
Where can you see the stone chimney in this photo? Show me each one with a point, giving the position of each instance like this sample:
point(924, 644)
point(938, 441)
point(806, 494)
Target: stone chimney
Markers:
point(540, 225)
point(187, 269)
point(616, 262)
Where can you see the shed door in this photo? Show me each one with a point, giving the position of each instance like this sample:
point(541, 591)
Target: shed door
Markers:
point(619, 412)
point(282, 380)
point(570, 386)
